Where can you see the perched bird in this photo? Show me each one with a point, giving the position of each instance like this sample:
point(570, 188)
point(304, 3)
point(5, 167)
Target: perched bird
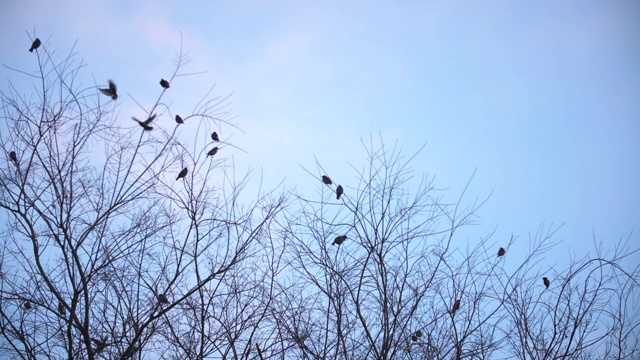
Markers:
point(111, 91)
point(164, 83)
point(145, 124)
point(213, 151)
point(546, 282)
point(339, 240)
point(339, 192)
point(326, 180)
point(100, 344)
point(182, 173)
point(414, 338)
point(36, 44)
point(501, 252)
point(27, 305)
point(179, 119)
point(162, 298)
point(215, 137)
point(61, 308)
point(456, 306)
point(13, 157)
point(419, 333)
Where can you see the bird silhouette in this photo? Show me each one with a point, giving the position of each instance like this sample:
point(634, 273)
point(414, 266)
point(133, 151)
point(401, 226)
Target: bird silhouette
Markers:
point(414, 338)
point(419, 333)
point(215, 137)
point(546, 282)
point(326, 180)
point(27, 305)
point(339, 240)
point(179, 119)
point(145, 124)
point(112, 90)
point(61, 308)
point(164, 83)
point(36, 44)
point(162, 298)
point(100, 344)
point(339, 192)
point(13, 157)
point(501, 252)
point(213, 151)
point(182, 173)
point(456, 306)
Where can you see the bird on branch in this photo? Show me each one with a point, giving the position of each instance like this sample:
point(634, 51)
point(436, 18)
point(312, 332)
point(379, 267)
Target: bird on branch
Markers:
point(182, 173)
point(339, 240)
point(36, 44)
point(326, 180)
point(164, 83)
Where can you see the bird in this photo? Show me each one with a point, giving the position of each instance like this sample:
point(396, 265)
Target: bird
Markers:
point(13, 157)
point(419, 333)
point(339, 192)
point(182, 173)
point(213, 151)
point(36, 44)
point(546, 282)
point(162, 298)
point(27, 305)
point(164, 83)
point(339, 239)
point(179, 119)
point(456, 306)
point(326, 180)
point(145, 124)
point(100, 344)
point(414, 338)
point(501, 252)
point(215, 137)
point(61, 308)
point(111, 91)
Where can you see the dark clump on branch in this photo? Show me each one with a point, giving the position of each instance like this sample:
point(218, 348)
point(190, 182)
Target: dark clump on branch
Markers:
point(179, 119)
point(162, 299)
point(13, 157)
point(501, 252)
point(182, 173)
point(215, 137)
point(164, 83)
point(326, 180)
point(339, 192)
point(546, 282)
point(36, 44)
point(456, 306)
point(213, 151)
point(339, 240)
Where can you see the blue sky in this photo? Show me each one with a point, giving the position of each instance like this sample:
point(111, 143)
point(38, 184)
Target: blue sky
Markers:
point(542, 98)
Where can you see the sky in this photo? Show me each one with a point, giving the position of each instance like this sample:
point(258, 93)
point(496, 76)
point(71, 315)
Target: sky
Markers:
point(540, 99)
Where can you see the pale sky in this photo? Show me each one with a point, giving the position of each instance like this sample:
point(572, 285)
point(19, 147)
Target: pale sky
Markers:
point(543, 99)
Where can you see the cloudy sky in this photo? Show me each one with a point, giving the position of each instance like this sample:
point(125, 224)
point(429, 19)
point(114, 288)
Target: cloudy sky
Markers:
point(542, 100)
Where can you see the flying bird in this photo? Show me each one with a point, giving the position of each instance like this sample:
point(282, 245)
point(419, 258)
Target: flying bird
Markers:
point(179, 119)
point(546, 282)
point(501, 252)
point(111, 91)
point(13, 157)
point(339, 240)
point(215, 137)
point(326, 180)
point(145, 124)
point(36, 44)
point(339, 192)
point(162, 298)
point(213, 151)
point(164, 83)
point(182, 173)
point(456, 306)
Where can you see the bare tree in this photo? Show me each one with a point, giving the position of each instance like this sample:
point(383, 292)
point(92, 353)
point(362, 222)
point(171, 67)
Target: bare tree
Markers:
point(105, 253)
point(403, 285)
